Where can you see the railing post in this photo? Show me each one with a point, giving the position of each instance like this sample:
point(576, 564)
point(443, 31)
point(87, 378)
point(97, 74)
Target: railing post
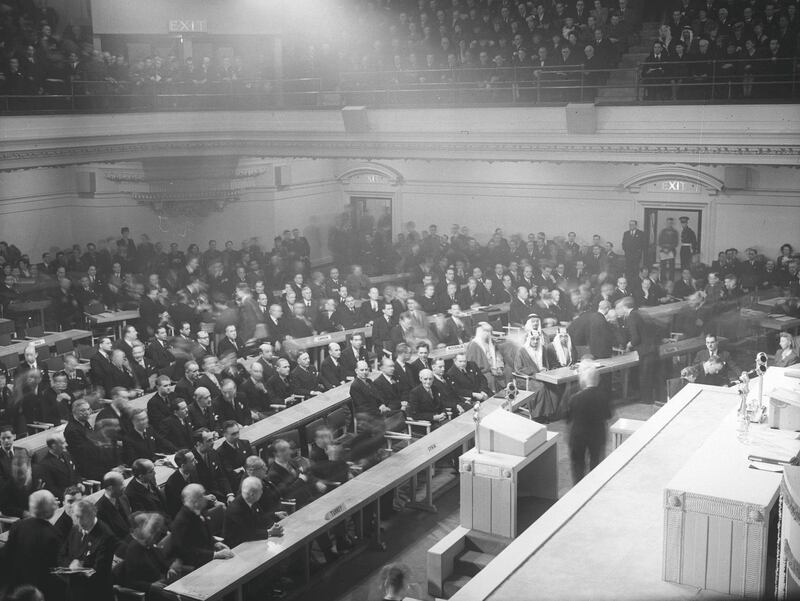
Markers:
point(713, 78)
point(794, 76)
point(582, 84)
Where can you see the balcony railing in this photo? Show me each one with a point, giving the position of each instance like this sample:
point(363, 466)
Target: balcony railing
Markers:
point(714, 81)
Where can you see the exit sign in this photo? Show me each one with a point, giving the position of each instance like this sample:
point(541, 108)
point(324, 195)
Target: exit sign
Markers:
point(188, 26)
point(673, 185)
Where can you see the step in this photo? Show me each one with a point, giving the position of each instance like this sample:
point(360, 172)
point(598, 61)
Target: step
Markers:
point(486, 543)
point(455, 584)
point(472, 562)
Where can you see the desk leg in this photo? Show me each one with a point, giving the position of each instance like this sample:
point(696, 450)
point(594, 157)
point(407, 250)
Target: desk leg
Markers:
point(626, 377)
point(427, 504)
point(240, 594)
point(307, 563)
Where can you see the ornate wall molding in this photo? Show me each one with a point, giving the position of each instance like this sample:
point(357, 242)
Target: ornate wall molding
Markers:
point(677, 179)
point(393, 147)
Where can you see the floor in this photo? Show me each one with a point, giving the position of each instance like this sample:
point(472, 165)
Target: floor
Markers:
point(411, 533)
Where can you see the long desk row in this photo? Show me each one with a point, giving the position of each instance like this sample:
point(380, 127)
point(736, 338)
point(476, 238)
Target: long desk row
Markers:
point(562, 375)
point(220, 577)
point(49, 340)
point(37, 442)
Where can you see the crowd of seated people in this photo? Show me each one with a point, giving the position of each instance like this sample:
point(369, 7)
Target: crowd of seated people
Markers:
point(723, 50)
point(207, 387)
point(498, 51)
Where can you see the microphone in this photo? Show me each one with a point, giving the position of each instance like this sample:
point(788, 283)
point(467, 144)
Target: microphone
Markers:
point(760, 370)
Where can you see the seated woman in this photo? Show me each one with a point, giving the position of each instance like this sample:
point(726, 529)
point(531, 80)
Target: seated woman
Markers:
point(786, 355)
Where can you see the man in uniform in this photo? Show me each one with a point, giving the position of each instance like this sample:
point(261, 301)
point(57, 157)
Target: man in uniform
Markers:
point(688, 242)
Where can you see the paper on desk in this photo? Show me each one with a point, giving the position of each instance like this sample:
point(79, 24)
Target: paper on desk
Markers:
point(784, 318)
point(777, 445)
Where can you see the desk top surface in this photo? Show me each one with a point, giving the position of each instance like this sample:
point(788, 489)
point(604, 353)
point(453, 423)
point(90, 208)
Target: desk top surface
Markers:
point(295, 416)
point(113, 316)
point(599, 524)
point(49, 340)
point(720, 469)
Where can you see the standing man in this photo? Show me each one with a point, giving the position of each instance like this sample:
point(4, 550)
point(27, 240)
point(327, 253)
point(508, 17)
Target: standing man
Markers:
point(688, 242)
point(587, 414)
point(633, 247)
point(668, 244)
point(643, 339)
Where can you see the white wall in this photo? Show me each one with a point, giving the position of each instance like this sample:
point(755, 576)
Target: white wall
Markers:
point(40, 208)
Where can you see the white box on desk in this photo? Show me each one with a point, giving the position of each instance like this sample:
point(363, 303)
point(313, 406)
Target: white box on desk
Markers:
point(505, 432)
point(784, 409)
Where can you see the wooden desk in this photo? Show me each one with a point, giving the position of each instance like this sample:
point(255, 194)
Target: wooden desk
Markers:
point(120, 318)
point(717, 512)
point(220, 577)
point(603, 539)
point(389, 278)
point(31, 306)
point(295, 416)
point(562, 375)
point(48, 339)
point(323, 340)
point(38, 442)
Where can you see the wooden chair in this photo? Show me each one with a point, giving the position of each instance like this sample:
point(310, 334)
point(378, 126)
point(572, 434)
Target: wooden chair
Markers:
point(338, 421)
point(123, 593)
point(55, 364)
point(85, 352)
point(34, 332)
point(64, 347)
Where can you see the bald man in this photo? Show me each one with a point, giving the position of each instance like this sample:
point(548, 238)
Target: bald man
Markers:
point(589, 409)
point(191, 540)
point(331, 372)
point(245, 520)
point(32, 547)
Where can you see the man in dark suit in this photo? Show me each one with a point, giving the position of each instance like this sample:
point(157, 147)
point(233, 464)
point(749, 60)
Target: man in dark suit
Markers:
point(403, 373)
point(467, 380)
point(209, 378)
point(151, 310)
point(32, 548)
point(191, 540)
point(354, 353)
point(142, 491)
point(324, 321)
point(119, 374)
point(90, 544)
point(520, 308)
point(447, 392)
point(32, 363)
point(159, 406)
point(387, 387)
point(231, 343)
point(642, 338)
point(592, 329)
point(422, 361)
point(276, 328)
point(232, 406)
point(158, 350)
point(304, 378)
point(91, 459)
point(425, 401)
point(729, 370)
point(254, 392)
point(233, 452)
point(7, 438)
point(113, 507)
point(210, 471)
point(633, 247)
point(201, 414)
point(280, 386)
point(331, 371)
point(381, 329)
point(371, 309)
point(177, 428)
point(186, 386)
point(245, 520)
point(57, 469)
point(142, 368)
point(179, 479)
point(347, 316)
point(588, 412)
point(143, 442)
point(363, 393)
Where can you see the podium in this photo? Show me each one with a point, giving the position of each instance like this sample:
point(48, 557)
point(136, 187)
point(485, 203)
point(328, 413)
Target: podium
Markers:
point(514, 458)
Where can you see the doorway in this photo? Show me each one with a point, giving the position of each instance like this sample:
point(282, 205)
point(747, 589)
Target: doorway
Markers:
point(371, 215)
point(656, 220)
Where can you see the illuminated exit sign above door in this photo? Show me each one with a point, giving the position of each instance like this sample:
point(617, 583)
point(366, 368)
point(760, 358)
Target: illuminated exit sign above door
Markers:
point(673, 185)
point(188, 26)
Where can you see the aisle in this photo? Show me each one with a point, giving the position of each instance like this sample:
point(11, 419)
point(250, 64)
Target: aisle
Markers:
point(411, 533)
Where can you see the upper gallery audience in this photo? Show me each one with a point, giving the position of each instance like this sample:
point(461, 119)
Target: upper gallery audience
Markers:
point(503, 50)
